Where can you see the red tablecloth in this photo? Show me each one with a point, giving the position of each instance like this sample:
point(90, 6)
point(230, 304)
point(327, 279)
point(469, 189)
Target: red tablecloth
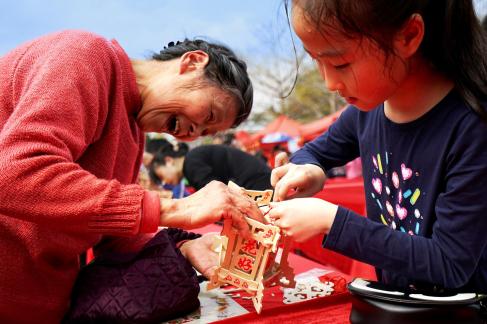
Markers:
point(331, 309)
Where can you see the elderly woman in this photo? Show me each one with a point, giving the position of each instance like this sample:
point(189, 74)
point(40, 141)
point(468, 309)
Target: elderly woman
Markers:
point(73, 112)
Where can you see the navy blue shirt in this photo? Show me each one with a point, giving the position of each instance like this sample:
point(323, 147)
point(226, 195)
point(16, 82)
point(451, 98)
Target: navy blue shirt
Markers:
point(426, 193)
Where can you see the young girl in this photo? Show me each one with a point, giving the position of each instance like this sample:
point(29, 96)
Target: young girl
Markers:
point(414, 74)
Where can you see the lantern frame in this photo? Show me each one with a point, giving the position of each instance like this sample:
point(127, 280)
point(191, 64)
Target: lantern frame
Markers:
point(255, 263)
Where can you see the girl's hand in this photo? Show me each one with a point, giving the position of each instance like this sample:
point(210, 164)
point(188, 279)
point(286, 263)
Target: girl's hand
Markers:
point(292, 181)
point(303, 218)
point(200, 255)
point(208, 205)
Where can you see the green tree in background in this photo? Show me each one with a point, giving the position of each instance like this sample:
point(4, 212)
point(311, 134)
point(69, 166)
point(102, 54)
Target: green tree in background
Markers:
point(273, 75)
point(310, 100)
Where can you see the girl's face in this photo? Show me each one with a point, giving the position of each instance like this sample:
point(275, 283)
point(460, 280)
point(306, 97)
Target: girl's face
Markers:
point(355, 68)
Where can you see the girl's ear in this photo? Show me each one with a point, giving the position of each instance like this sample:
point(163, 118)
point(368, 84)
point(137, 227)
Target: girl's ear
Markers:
point(193, 60)
point(409, 37)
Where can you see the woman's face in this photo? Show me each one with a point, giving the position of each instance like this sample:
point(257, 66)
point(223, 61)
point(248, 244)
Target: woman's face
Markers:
point(355, 68)
point(186, 105)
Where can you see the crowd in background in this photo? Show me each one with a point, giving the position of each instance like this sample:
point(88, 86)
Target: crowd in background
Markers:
point(176, 170)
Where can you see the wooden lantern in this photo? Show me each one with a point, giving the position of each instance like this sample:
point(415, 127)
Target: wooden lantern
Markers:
point(251, 264)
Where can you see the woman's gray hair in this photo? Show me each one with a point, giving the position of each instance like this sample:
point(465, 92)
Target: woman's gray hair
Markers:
point(224, 69)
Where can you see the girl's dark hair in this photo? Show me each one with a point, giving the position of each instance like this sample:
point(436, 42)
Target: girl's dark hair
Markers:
point(166, 149)
point(454, 41)
point(224, 69)
point(152, 145)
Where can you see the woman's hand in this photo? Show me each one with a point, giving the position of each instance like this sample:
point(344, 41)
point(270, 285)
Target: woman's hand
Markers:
point(200, 255)
point(303, 218)
point(292, 181)
point(208, 205)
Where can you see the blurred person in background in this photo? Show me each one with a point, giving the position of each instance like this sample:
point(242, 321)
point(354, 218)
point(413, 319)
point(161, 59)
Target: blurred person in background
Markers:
point(174, 164)
point(223, 163)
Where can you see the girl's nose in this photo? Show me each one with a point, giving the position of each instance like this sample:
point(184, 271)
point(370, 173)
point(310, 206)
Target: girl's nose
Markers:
point(330, 76)
point(332, 81)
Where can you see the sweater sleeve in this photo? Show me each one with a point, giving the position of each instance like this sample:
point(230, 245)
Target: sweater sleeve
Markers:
point(60, 105)
point(336, 147)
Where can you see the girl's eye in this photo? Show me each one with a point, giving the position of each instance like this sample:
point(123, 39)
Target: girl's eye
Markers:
point(341, 66)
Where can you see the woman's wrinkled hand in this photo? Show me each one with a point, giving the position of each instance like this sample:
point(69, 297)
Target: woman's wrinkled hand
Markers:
point(293, 181)
point(200, 255)
point(303, 218)
point(213, 202)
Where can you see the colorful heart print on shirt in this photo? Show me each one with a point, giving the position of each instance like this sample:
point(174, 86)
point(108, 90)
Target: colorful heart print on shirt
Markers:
point(396, 202)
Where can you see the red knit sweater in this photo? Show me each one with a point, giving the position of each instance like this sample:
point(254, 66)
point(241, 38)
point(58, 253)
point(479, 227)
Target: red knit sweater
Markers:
point(70, 151)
